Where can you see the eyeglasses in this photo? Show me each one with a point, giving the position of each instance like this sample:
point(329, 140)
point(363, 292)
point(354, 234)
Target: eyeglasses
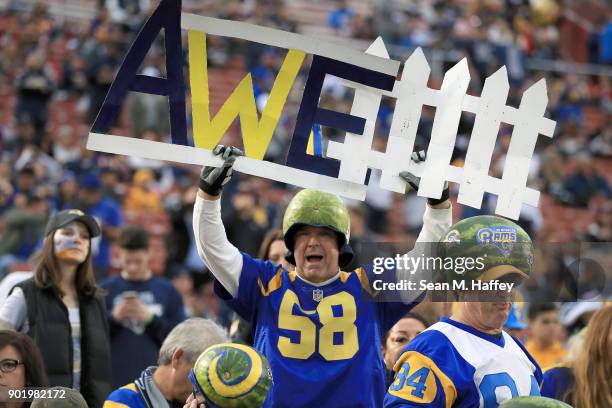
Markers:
point(195, 394)
point(8, 365)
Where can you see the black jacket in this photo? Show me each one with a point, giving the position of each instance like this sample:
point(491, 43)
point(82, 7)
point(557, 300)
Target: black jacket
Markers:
point(50, 329)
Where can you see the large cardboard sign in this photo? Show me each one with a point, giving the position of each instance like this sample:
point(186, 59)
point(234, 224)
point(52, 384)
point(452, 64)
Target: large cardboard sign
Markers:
point(343, 170)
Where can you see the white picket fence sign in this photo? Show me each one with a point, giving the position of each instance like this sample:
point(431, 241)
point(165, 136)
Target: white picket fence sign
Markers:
point(411, 93)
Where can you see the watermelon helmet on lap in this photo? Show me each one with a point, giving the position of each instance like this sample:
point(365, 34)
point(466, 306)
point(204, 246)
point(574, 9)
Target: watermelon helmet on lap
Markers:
point(533, 402)
point(502, 246)
point(318, 209)
point(232, 376)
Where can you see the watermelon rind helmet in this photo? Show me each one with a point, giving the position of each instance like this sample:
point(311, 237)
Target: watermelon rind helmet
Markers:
point(533, 402)
point(230, 375)
point(318, 209)
point(502, 246)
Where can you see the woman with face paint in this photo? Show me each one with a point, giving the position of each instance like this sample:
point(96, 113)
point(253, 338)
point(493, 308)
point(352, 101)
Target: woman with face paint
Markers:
point(63, 311)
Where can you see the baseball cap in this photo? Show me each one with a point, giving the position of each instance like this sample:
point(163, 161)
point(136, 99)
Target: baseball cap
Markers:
point(90, 182)
point(65, 217)
point(66, 398)
point(571, 312)
point(514, 319)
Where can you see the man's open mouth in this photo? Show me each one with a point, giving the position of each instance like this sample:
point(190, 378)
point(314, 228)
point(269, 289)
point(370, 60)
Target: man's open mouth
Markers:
point(314, 258)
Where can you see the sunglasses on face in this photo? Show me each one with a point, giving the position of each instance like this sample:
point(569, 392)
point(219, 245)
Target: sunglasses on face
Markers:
point(8, 365)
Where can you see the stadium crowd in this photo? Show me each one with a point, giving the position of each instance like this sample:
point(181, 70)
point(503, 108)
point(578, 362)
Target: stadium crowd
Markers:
point(54, 75)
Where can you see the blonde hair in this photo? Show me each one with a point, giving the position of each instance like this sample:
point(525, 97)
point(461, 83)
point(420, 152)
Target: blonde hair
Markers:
point(592, 368)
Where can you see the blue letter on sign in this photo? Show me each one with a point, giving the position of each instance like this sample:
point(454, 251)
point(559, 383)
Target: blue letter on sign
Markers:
point(166, 16)
point(310, 113)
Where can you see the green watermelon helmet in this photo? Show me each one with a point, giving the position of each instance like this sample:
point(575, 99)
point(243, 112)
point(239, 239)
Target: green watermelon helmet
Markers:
point(318, 209)
point(231, 375)
point(503, 246)
point(533, 402)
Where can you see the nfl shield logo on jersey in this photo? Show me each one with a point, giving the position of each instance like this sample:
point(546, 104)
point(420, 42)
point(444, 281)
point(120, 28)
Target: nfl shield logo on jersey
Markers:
point(317, 295)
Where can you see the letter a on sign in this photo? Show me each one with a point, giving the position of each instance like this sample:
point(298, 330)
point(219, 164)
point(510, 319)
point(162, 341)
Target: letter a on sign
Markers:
point(166, 16)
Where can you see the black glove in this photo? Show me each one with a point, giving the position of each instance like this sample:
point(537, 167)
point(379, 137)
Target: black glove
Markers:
point(414, 181)
point(212, 179)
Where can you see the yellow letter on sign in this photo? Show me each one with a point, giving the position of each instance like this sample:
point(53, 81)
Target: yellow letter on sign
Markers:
point(256, 133)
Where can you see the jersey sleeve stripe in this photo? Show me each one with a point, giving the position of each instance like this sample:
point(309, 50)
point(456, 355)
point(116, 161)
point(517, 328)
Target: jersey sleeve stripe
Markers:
point(130, 386)
point(113, 404)
point(365, 282)
point(273, 284)
point(416, 361)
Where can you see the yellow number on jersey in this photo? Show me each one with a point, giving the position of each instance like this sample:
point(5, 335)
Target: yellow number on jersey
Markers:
point(344, 324)
point(287, 320)
point(416, 380)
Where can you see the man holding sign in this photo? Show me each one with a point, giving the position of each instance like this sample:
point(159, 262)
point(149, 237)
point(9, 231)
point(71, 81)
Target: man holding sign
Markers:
point(319, 327)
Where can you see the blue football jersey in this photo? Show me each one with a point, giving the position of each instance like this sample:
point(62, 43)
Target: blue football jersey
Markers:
point(323, 342)
point(454, 365)
point(125, 397)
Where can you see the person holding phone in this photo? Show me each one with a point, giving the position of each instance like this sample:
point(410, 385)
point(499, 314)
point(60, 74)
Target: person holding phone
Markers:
point(142, 309)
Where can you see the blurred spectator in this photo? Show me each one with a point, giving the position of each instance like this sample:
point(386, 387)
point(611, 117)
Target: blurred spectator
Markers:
point(552, 169)
point(21, 364)
point(402, 332)
point(601, 144)
point(68, 192)
point(585, 381)
point(542, 343)
point(61, 302)
point(141, 196)
point(102, 57)
point(359, 234)
point(576, 315)
point(142, 309)
point(340, 17)
point(378, 201)
point(25, 183)
point(515, 324)
point(110, 179)
point(6, 196)
point(185, 285)
point(107, 213)
point(601, 229)
point(9, 281)
point(34, 90)
point(605, 41)
point(167, 385)
point(585, 183)
point(128, 12)
point(23, 229)
point(273, 249)
point(246, 221)
point(181, 241)
point(66, 398)
point(208, 304)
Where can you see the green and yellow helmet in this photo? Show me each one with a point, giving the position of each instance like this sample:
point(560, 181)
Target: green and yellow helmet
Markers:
point(533, 402)
point(318, 209)
point(502, 246)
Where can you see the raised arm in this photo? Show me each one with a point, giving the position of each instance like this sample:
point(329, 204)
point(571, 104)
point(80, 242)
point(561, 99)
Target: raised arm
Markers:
point(437, 220)
point(222, 258)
